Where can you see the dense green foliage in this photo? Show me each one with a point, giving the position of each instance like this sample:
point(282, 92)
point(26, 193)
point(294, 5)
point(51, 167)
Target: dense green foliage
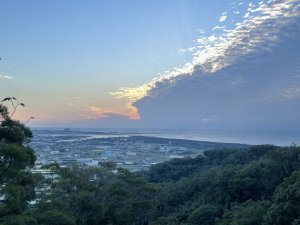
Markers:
point(255, 186)
point(97, 196)
point(17, 184)
point(259, 185)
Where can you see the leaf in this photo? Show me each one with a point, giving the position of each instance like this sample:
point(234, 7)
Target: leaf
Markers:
point(6, 99)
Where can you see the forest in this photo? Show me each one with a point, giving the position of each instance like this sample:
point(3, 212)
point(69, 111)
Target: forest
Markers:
point(259, 185)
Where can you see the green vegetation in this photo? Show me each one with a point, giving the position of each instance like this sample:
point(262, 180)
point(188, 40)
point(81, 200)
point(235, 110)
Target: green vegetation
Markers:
point(16, 182)
point(255, 186)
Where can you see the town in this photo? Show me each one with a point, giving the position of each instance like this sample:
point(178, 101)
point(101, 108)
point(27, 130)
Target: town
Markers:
point(132, 151)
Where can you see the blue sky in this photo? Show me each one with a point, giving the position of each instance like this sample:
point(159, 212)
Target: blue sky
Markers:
point(153, 63)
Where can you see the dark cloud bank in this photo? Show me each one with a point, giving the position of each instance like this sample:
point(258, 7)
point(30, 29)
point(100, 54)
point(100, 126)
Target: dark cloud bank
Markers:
point(261, 90)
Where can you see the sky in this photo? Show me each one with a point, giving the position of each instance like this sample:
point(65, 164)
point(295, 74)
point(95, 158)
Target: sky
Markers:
point(178, 64)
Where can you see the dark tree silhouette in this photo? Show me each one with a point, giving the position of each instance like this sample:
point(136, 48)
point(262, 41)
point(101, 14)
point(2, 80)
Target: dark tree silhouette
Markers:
point(16, 182)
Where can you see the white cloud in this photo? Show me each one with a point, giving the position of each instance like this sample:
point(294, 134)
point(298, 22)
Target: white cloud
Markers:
point(223, 18)
point(246, 15)
point(219, 28)
point(5, 77)
point(191, 49)
point(251, 5)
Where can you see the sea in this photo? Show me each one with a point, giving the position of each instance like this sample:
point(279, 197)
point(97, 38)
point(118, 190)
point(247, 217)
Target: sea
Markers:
point(280, 138)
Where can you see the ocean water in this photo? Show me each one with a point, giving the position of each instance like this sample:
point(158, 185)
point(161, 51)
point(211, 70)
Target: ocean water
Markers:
point(281, 138)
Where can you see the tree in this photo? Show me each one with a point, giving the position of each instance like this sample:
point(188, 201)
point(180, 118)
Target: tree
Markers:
point(247, 213)
point(20, 220)
point(16, 182)
point(55, 217)
point(169, 220)
point(97, 196)
point(286, 207)
point(12, 131)
point(205, 215)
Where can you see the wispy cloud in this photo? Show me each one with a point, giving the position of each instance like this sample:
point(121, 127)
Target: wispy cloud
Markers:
point(223, 18)
point(219, 28)
point(5, 77)
point(292, 93)
point(209, 119)
point(247, 15)
point(191, 49)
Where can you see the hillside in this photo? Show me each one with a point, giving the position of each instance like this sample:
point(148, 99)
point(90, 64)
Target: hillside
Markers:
point(259, 185)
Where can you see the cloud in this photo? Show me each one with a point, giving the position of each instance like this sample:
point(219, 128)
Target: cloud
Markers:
point(101, 113)
point(292, 92)
point(227, 57)
point(218, 51)
point(246, 15)
point(219, 28)
point(191, 49)
point(5, 77)
point(222, 18)
point(251, 5)
point(209, 119)
point(256, 92)
point(98, 113)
